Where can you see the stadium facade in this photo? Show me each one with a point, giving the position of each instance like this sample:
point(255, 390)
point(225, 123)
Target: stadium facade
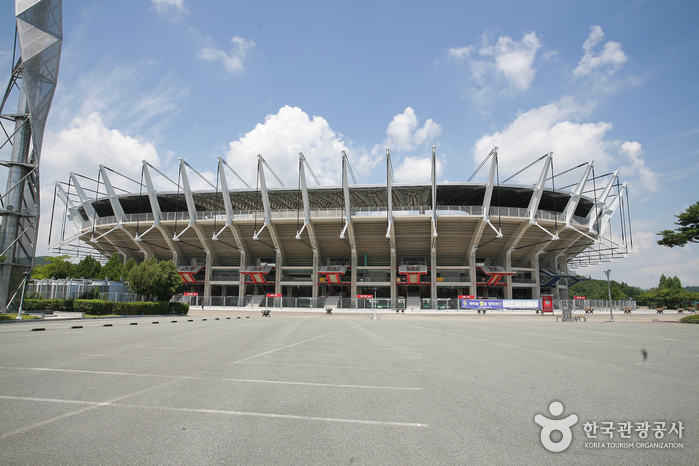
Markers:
point(408, 244)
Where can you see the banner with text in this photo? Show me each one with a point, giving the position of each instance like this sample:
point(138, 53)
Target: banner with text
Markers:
point(499, 304)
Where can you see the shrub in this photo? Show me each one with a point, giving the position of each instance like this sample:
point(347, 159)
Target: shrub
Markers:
point(145, 308)
point(690, 319)
point(52, 305)
point(96, 307)
point(179, 308)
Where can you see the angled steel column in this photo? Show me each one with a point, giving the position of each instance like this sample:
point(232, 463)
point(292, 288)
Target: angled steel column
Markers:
point(390, 230)
point(211, 258)
point(72, 211)
point(279, 261)
point(157, 214)
point(609, 209)
point(235, 231)
point(85, 201)
point(599, 205)
point(506, 253)
point(433, 248)
point(308, 225)
point(40, 33)
point(473, 245)
point(576, 194)
point(349, 229)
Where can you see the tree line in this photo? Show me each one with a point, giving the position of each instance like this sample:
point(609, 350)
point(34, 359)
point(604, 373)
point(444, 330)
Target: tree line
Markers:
point(669, 292)
point(153, 279)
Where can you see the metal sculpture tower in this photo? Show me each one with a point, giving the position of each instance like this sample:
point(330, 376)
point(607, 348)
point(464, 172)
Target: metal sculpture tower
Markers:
point(38, 39)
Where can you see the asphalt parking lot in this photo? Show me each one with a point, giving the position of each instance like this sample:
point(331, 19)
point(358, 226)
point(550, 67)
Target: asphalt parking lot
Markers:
point(328, 390)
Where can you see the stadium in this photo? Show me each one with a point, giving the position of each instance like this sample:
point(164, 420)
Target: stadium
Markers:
point(354, 246)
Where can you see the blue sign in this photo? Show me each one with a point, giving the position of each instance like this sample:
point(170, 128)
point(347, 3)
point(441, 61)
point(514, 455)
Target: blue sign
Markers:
point(481, 304)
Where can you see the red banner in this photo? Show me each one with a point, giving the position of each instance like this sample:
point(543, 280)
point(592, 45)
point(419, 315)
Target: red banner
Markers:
point(579, 297)
point(546, 304)
point(365, 296)
point(191, 293)
point(274, 295)
point(466, 296)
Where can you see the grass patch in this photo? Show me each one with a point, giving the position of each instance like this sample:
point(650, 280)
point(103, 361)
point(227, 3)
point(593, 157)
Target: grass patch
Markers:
point(690, 319)
point(14, 317)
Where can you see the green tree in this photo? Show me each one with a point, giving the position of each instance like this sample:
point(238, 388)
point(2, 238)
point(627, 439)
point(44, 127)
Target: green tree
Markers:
point(89, 267)
point(113, 270)
point(128, 267)
point(597, 289)
point(155, 279)
point(57, 267)
point(687, 230)
point(669, 293)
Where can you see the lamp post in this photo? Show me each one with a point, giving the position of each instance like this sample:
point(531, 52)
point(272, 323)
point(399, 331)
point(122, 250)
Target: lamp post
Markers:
point(609, 290)
point(373, 304)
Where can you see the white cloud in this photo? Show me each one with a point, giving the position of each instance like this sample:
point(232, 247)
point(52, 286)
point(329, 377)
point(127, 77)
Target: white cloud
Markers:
point(169, 6)
point(603, 63)
point(548, 128)
point(404, 134)
point(86, 143)
point(637, 165)
point(126, 96)
point(515, 60)
point(80, 148)
point(460, 52)
point(283, 135)
point(232, 61)
point(280, 139)
point(417, 170)
point(649, 260)
point(512, 61)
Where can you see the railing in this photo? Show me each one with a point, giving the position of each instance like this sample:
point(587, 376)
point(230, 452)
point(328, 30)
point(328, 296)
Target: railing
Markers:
point(334, 213)
point(225, 277)
point(597, 304)
point(440, 304)
point(297, 278)
point(523, 280)
point(387, 278)
point(453, 279)
point(508, 212)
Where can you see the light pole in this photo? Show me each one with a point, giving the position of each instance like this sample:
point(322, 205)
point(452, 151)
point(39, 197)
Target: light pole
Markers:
point(609, 290)
point(373, 304)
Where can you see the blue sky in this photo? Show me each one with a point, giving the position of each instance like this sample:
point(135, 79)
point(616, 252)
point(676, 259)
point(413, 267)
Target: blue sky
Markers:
point(609, 81)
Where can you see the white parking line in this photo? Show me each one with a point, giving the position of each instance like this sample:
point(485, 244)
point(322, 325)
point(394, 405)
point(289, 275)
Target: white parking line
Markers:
point(159, 347)
point(96, 404)
point(122, 356)
point(79, 371)
point(334, 367)
point(293, 344)
point(226, 379)
point(354, 355)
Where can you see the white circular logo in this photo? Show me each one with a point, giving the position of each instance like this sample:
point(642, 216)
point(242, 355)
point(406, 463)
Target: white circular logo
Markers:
point(548, 426)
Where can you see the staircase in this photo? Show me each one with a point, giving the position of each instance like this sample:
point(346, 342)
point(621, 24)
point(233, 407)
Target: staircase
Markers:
point(332, 302)
point(414, 302)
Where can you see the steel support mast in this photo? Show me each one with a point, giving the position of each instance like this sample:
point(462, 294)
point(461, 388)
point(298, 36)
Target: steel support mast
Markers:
point(31, 87)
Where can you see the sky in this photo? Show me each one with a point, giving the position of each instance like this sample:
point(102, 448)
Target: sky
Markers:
point(160, 80)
